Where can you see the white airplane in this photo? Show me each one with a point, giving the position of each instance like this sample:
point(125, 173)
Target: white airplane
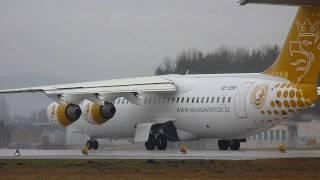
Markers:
point(227, 107)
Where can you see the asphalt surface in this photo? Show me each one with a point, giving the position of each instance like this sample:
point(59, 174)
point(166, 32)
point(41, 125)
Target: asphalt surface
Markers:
point(168, 154)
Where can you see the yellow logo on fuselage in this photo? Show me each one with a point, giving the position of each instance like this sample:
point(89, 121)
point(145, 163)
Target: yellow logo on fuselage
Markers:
point(258, 96)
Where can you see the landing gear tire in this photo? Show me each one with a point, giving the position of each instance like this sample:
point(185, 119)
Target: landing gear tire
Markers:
point(89, 144)
point(224, 144)
point(95, 144)
point(92, 144)
point(235, 145)
point(151, 143)
point(162, 142)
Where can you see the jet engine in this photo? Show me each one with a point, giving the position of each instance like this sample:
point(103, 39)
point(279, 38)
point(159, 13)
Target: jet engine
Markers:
point(64, 113)
point(98, 114)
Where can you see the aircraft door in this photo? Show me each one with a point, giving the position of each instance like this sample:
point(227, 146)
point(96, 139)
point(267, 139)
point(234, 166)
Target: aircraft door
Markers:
point(240, 100)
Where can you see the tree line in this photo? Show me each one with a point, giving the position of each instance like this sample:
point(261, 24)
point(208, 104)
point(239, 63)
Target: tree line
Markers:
point(221, 60)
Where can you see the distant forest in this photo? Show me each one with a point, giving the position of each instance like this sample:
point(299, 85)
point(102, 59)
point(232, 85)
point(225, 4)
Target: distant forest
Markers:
point(221, 60)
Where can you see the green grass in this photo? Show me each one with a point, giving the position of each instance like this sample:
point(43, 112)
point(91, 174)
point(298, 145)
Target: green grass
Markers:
point(157, 169)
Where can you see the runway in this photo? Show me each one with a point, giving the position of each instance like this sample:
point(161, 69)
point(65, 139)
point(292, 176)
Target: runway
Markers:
point(169, 154)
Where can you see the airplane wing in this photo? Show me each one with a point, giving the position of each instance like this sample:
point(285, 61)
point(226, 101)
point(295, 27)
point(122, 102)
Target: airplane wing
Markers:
point(130, 85)
point(282, 2)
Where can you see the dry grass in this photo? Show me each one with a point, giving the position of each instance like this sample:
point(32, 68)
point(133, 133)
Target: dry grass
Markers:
point(159, 169)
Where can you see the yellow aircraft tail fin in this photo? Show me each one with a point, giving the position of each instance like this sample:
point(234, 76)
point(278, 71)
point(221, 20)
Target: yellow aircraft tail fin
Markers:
point(299, 59)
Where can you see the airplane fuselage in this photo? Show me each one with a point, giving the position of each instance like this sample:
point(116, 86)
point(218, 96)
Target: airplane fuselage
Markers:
point(223, 106)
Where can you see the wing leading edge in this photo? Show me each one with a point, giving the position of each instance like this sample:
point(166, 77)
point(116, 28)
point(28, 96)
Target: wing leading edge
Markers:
point(142, 84)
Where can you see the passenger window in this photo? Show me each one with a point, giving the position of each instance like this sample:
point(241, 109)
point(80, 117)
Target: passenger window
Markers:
point(182, 99)
point(212, 100)
point(178, 100)
point(173, 100)
point(207, 100)
point(202, 99)
point(197, 99)
point(223, 99)
point(119, 100)
point(150, 99)
point(168, 101)
point(192, 100)
point(218, 99)
point(188, 100)
point(229, 100)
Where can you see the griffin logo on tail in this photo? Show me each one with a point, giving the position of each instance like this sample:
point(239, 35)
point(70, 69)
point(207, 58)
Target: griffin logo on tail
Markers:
point(302, 49)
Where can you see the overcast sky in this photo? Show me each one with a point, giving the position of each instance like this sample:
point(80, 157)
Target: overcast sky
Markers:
point(103, 39)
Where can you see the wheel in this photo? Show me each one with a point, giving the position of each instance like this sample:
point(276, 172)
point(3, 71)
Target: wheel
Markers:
point(151, 143)
point(235, 145)
point(162, 142)
point(89, 144)
point(224, 145)
point(95, 144)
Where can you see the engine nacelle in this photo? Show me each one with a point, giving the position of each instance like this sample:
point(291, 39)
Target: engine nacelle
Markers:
point(98, 114)
point(64, 113)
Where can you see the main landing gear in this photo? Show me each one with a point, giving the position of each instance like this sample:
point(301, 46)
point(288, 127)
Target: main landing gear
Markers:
point(160, 141)
point(160, 134)
point(92, 144)
point(234, 144)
